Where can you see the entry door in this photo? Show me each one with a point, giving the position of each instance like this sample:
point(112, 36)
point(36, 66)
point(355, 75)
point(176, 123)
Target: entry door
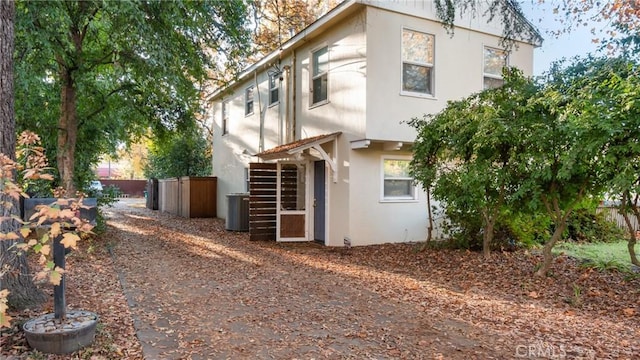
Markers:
point(291, 200)
point(319, 193)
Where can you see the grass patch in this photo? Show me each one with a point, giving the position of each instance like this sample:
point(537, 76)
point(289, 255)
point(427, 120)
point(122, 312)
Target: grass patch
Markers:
point(602, 256)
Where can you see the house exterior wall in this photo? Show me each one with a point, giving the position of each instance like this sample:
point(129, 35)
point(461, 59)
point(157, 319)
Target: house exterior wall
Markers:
point(345, 109)
point(365, 101)
point(375, 221)
point(457, 71)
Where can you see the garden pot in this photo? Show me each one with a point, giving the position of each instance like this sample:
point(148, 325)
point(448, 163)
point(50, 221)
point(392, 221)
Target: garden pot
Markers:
point(48, 335)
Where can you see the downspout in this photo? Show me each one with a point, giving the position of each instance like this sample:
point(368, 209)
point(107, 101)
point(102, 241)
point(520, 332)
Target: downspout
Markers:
point(292, 134)
point(283, 127)
point(261, 141)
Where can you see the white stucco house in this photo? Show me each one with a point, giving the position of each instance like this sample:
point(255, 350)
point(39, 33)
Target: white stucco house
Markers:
point(314, 131)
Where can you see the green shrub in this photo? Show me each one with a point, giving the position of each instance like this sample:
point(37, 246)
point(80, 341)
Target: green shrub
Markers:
point(584, 225)
point(529, 230)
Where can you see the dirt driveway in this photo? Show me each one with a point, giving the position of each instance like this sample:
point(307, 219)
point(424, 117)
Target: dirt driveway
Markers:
point(197, 291)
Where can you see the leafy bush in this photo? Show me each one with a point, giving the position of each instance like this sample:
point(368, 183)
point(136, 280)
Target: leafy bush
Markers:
point(465, 230)
point(584, 225)
point(529, 230)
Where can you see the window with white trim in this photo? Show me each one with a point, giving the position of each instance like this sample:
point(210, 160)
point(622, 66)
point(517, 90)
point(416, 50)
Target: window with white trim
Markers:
point(248, 101)
point(225, 117)
point(319, 75)
point(417, 62)
point(494, 61)
point(397, 183)
point(274, 95)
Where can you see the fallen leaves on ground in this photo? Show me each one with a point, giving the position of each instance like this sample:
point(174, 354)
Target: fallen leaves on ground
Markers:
point(197, 291)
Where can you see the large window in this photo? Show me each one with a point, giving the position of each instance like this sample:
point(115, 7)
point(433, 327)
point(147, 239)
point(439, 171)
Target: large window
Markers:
point(494, 61)
point(397, 183)
point(225, 117)
point(273, 89)
point(417, 62)
point(319, 75)
point(248, 101)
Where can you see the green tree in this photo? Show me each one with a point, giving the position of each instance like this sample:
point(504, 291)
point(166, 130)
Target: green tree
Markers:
point(92, 74)
point(560, 165)
point(467, 153)
point(608, 98)
point(186, 153)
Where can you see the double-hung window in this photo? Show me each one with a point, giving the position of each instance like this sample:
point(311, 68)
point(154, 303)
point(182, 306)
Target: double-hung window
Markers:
point(319, 75)
point(397, 183)
point(494, 61)
point(225, 117)
point(273, 89)
point(417, 62)
point(248, 101)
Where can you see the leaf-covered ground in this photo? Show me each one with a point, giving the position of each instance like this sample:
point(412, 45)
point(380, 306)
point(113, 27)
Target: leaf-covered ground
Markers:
point(196, 291)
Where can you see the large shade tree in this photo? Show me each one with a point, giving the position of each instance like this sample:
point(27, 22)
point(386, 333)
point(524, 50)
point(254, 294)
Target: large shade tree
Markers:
point(91, 74)
point(14, 273)
point(187, 153)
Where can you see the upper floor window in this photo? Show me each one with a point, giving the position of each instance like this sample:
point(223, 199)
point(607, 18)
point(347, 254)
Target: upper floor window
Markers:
point(417, 62)
point(494, 61)
point(225, 117)
point(273, 89)
point(397, 183)
point(248, 101)
point(319, 75)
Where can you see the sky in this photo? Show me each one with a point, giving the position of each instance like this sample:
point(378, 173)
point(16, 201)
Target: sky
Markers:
point(577, 42)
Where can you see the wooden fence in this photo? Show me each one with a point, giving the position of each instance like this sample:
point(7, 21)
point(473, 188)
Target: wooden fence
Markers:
point(611, 213)
point(128, 188)
point(188, 196)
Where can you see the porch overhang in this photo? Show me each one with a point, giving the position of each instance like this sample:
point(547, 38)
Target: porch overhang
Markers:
point(296, 148)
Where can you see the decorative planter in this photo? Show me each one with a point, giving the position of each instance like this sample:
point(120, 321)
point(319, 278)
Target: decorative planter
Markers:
point(48, 335)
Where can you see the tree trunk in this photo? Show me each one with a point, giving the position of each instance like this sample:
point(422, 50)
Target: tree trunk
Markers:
point(14, 272)
point(67, 132)
point(632, 251)
point(487, 237)
point(430, 227)
point(546, 252)
point(626, 203)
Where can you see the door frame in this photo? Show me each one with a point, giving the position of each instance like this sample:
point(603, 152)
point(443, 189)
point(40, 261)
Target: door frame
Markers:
point(281, 212)
point(320, 202)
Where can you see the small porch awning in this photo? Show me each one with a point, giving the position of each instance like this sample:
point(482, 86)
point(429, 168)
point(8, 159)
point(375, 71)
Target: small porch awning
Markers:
point(297, 147)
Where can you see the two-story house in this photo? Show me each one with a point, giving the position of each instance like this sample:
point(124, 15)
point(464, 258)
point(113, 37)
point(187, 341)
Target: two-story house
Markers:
point(315, 130)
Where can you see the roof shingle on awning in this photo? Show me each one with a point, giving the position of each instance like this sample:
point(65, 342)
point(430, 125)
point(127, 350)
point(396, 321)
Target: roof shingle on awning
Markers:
point(290, 149)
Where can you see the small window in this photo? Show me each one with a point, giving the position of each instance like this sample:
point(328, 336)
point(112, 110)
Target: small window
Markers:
point(397, 183)
point(494, 61)
point(417, 62)
point(248, 101)
point(274, 95)
point(320, 75)
point(225, 118)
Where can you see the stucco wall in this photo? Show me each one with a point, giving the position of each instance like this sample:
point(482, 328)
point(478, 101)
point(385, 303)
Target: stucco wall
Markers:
point(345, 109)
point(457, 71)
